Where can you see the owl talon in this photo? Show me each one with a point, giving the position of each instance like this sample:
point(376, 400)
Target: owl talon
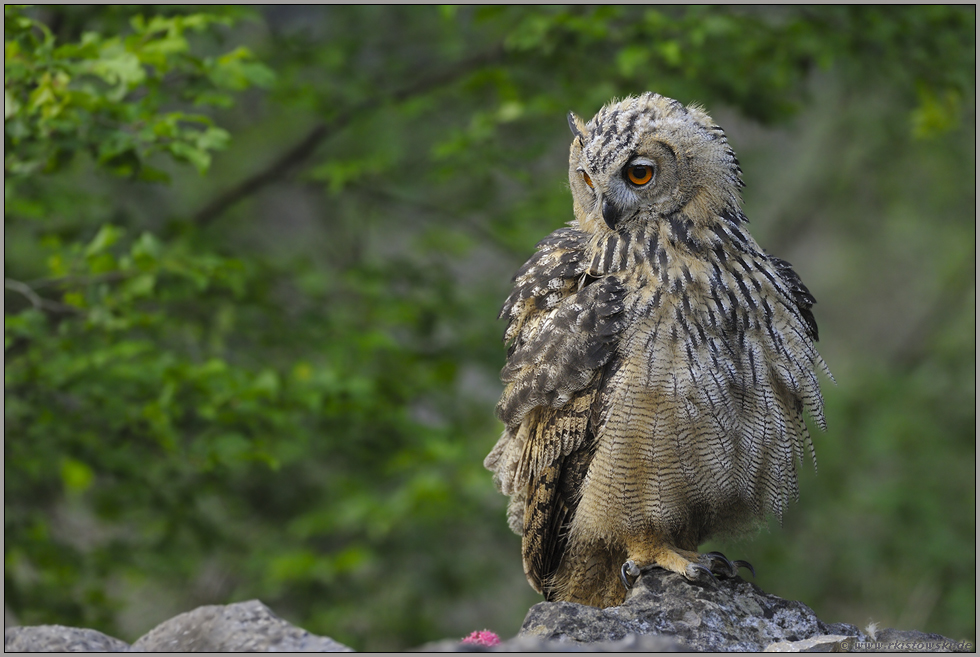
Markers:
point(695, 569)
point(731, 567)
point(745, 564)
point(716, 558)
point(629, 573)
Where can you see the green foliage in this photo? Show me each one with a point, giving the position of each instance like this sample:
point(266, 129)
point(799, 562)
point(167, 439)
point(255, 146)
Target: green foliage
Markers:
point(276, 380)
point(105, 95)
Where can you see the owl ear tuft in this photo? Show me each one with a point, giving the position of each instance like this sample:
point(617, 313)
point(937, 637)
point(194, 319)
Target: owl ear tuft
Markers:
point(577, 126)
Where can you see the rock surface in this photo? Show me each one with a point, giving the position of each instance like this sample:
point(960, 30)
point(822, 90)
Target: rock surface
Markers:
point(726, 616)
point(663, 613)
point(821, 643)
point(631, 643)
point(58, 638)
point(241, 627)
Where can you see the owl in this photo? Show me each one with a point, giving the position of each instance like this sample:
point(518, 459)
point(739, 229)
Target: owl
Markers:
point(659, 364)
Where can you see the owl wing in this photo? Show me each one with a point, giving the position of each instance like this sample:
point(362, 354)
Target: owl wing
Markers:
point(551, 496)
point(563, 326)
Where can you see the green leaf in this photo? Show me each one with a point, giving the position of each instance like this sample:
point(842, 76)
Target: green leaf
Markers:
point(267, 383)
point(103, 240)
point(212, 138)
point(237, 70)
point(146, 251)
point(139, 286)
point(198, 157)
point(936, 113)
point(118, 68)
point(76, 476)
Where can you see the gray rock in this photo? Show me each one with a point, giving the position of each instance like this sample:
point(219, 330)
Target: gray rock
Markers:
point(663, 613)
point(726, 615)
point(58, 638)
point(821, 643)
point(242, 627)
point(631, 643)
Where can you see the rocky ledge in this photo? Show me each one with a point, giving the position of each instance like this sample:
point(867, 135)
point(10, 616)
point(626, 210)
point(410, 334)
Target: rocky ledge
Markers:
point(662, 613)
point(241, 627)
point(715, 616)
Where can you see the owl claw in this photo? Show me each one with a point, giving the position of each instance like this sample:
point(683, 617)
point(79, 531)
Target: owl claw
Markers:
point(715, 560)
point(629, 573)
point(714, 564)
point(731, 567)
point(695, 569)
point(745, 564)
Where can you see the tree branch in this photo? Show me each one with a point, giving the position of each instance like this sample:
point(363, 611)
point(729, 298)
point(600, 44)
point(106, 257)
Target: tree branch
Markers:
point(36, 300)
point(68, 281)
point(307, 146)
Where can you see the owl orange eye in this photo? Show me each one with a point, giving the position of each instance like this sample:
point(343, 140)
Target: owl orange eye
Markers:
point(588, 181)
point(639, 174)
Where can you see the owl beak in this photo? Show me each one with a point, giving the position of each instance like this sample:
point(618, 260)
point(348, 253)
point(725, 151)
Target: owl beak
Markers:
point(610, 214)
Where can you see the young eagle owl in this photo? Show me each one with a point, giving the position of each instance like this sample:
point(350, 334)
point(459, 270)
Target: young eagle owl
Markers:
point(659, 363)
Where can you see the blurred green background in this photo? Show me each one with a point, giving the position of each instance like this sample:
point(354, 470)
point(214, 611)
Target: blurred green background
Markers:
point(253, 260)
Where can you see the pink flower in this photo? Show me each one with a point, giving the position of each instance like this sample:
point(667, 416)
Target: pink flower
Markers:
point(482, 638)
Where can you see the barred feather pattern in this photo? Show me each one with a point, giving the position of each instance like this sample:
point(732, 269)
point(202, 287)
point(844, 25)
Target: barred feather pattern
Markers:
point(659, 363)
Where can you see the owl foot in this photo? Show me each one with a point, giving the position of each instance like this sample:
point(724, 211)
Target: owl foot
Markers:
point(691, 565)
point(715, 561)
point(629, 573)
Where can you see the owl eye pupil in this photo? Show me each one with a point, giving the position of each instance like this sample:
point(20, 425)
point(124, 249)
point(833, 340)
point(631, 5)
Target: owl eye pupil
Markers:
point(640, 174)
point(588, 181)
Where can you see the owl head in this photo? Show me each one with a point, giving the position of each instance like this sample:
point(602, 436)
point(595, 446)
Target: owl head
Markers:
point(649, 157)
